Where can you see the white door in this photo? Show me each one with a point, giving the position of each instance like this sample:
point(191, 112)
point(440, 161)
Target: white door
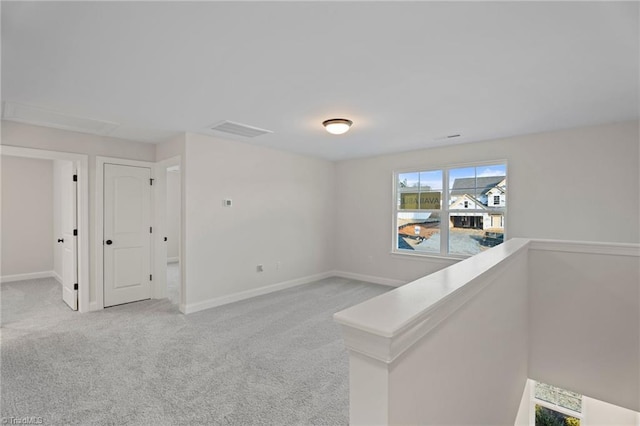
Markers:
point(127, 234)
point(68, 200)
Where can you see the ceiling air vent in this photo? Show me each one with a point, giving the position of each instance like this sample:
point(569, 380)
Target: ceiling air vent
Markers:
point(239, 129)
point(43, 117)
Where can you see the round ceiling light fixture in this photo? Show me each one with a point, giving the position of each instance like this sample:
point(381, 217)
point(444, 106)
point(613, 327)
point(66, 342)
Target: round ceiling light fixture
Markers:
point(337, 126)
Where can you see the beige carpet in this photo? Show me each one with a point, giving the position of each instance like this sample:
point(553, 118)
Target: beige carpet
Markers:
point(277, 359)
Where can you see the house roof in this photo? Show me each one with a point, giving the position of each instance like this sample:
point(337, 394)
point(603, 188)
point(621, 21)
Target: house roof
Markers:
point(463, 186)
point(468, 197)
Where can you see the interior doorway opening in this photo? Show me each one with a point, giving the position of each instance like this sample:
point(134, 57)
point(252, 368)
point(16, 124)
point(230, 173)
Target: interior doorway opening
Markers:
point(45, 220)
point(173, 219)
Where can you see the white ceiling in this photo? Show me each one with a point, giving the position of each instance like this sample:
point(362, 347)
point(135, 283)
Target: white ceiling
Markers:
point(406, 73)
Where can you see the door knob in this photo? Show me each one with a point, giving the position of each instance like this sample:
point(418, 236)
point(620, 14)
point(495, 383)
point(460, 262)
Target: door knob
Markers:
point(61, 240)
point(108, 242)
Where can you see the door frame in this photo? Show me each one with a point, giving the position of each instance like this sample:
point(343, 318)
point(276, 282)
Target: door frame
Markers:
point(99, 230)
point(81, 163)
point(161, 223)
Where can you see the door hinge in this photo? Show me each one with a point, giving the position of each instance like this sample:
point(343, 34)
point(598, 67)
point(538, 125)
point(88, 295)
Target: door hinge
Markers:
point(150, 277)
point(75, 286)
point(75, 178)
point(151, 181)
point(151, 229)
point(75, 232)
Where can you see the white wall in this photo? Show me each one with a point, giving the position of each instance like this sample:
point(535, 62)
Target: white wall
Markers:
point(599, 413)
point(174, 205)
point(448, 348)
point(282, 212)
point(36, 137)
point(27, 216)
point(472, 368)
point(592, 172)
point(585, 323)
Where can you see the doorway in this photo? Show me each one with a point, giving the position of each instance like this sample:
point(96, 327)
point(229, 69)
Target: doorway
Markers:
point(172, 226)
point(68, 237)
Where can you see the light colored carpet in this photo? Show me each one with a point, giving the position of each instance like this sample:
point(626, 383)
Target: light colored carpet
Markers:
point(173, 282)
point(277, 359)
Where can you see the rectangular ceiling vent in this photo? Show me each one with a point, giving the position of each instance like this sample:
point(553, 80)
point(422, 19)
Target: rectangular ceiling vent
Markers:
point(30, 114)
point(239, 129)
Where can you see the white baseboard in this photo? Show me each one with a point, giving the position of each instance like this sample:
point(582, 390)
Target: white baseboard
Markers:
point(236, 297)
point(173, 259)
point(57, 277)
point(29, 276)
point(368, 278)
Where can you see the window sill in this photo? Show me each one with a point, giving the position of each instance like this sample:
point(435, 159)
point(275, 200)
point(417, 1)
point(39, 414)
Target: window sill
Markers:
point(428, 256)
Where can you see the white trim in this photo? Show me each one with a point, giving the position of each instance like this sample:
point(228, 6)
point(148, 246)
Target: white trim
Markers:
point(368, 278)
point(613, 249)
point(18, 151)
point(57, 277)
point(387, 334)
point(28, 276)
point(82, 169)
point(99, 229)
point(450, 258)
point(173, 259)
point(236, 297)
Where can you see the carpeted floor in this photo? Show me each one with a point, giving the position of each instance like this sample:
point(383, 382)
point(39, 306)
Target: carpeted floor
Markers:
point(277, 359)
point(173, 282)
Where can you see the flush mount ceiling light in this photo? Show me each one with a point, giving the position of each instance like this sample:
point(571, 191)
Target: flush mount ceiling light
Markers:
point(337, 126)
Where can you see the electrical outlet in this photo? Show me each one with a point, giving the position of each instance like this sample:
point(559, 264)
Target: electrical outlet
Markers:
point(278, 265)
point(259, 268)
point(370, 259)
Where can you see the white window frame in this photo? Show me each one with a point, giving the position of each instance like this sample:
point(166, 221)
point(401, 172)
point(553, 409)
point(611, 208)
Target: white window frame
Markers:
point(550, 405)
point(444, 211)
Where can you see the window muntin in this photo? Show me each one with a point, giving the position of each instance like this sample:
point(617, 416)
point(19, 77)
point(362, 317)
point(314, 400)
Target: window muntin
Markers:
point(461, 221)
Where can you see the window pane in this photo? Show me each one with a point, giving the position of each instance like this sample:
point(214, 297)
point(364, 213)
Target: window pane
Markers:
point(570, 402)
point(548, 417)
point(409, 180)
point(420, 190)
point(558, 396)
point(483, 185)
point(469, 233)
point(545, 392)
point(492, 185)
point(419, 231)
point(408, 190)
point(431, 181)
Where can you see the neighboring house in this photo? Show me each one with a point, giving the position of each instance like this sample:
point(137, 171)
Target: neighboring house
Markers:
point(484, 194)
point(497, 196)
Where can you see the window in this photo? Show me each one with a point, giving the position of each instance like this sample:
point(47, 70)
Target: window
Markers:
point(450, 211)
point(556, 406)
